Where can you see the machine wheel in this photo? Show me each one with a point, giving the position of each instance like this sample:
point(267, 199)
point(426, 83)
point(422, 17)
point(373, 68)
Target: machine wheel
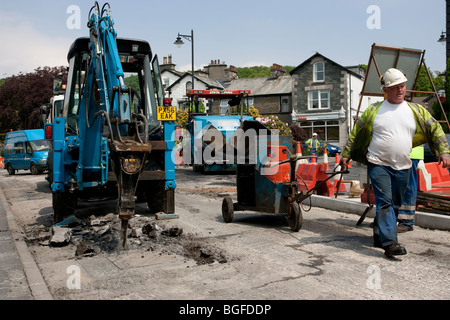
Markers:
point(10, 169)
point(64, 204)
point(295, 217)
point(227, 209)
point(33, 169)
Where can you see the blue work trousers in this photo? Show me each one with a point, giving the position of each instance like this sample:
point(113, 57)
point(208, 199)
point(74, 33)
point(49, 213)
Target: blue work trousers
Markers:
point(408, 209)
point(389, 187)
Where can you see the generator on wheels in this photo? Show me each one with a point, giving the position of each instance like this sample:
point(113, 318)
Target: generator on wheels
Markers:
point(266, 180)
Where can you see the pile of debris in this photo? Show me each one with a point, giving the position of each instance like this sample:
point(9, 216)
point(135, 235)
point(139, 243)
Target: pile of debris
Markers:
point(93, 235)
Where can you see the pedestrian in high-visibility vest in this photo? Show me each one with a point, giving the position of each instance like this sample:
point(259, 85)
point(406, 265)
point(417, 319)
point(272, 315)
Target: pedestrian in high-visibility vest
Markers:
point(197, 106)
point(313, 144)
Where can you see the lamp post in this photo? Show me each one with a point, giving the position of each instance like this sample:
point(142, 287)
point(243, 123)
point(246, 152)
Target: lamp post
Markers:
point(180, 42)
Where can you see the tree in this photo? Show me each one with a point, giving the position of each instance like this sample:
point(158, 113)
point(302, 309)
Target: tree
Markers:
point(437, 111)
point(423, 82)
point(258, 71)
point(21, 97)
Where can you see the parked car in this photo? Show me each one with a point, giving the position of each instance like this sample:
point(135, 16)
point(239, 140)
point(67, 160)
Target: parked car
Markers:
point(428, 156)
point(331, 148)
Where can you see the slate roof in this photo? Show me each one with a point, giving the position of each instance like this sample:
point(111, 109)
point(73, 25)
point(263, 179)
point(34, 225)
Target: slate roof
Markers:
point(213, 84)
point(263, 86)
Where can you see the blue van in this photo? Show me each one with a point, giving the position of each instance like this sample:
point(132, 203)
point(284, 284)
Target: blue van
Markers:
point(26, 150)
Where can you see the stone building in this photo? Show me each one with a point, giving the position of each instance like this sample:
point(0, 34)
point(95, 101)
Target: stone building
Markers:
point(325, 97)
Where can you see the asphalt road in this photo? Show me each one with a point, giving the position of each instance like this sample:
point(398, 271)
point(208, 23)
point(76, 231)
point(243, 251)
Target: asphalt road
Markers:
point(256, 257)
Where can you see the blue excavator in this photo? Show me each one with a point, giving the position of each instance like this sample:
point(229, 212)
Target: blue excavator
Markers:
point(116, 131)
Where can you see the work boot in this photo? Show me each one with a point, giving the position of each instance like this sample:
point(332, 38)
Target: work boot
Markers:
point(401, 228)
point(394, 249)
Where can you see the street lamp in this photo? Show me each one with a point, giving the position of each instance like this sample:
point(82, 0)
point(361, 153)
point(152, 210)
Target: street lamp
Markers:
point(179, 42)
point(442, 38)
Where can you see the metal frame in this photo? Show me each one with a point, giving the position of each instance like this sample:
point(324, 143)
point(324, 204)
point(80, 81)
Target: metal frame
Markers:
point(421, 54)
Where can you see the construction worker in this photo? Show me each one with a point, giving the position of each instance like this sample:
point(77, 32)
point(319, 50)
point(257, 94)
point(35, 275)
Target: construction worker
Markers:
point(197, 106)
point(313, 144)
point(408, 209)
point(383, 139)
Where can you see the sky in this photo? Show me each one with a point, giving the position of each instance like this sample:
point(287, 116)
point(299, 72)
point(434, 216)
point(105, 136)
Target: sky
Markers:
point(241, 33)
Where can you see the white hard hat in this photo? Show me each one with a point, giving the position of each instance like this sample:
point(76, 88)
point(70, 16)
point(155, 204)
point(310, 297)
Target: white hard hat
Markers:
point(392, 77)
point(314, 134)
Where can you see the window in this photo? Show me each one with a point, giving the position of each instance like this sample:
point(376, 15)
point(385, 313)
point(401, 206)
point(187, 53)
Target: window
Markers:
point(318, 100)
point(18, 148)
point(166, 82)
point(9, 148)
point(327, 130)
point(140, 74)
point(188, 85)
point(224, 107)
point(249, 102)
point(284, 104)
point(319, 72)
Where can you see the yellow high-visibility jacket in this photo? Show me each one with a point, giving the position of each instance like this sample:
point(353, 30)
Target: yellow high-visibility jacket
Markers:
point(427, 130)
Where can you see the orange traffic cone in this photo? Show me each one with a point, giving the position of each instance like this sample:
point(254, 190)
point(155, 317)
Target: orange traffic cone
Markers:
point(313, 160)
point(325, 160)
point(337, 160)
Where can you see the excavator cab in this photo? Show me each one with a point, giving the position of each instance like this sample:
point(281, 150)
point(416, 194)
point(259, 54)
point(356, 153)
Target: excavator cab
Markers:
point(142, 77)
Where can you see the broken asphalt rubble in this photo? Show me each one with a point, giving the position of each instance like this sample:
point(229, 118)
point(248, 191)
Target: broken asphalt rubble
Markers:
point(93, 235)
point(86, 232)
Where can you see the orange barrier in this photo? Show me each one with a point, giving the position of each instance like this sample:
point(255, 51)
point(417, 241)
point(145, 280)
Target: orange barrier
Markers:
point(342, 187)
point(364, 196)
point(2, 163)
point(310, 174)
point(440, 177)
point(440, 182)
point(278, 172)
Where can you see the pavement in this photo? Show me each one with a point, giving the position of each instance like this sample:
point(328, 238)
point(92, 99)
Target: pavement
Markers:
point(20, 277)
point(13, 282)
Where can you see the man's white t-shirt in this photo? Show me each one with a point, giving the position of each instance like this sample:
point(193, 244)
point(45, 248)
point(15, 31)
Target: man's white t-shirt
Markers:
point(393, 131)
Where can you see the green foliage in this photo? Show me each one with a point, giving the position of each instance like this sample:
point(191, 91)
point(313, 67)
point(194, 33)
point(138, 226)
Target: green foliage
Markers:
point(22, 96)
point(253, 72)
point(132, 81)
point(298, 134)
point(423, 82)
point(258, 71)
point(436, 109)
point(182, 118)
point(254, 112)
